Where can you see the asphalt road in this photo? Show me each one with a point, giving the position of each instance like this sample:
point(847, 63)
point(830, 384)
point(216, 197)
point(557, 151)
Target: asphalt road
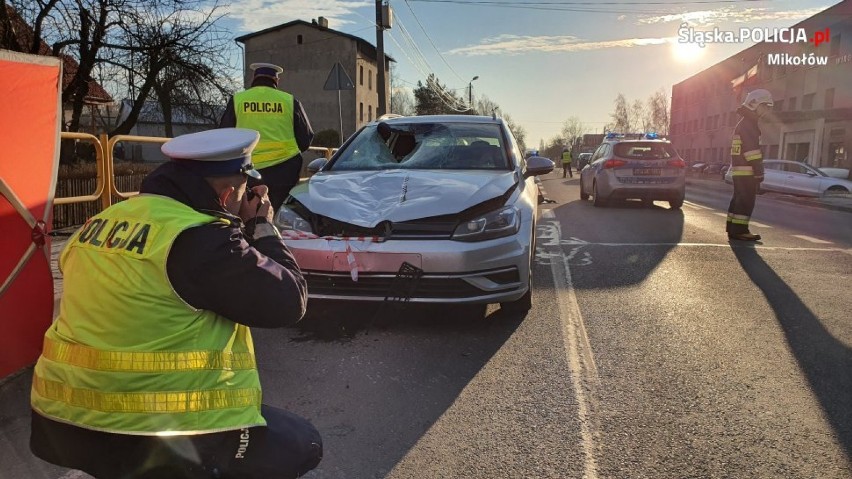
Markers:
point(654, 349)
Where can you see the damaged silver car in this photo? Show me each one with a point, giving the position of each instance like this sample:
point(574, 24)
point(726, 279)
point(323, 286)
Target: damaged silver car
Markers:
point(430, 209)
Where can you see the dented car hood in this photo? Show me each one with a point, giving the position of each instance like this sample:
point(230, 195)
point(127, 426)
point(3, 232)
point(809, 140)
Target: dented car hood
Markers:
point(366, 198)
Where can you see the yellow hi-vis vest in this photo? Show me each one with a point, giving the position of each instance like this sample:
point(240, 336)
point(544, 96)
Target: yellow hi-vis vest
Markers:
point(126, 354)
point(566, 157)
point(270, 112)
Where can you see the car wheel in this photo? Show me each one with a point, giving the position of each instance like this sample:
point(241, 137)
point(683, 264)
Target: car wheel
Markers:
point(597, 200)
point(583, 195)
point(836, 190)
point(676, 204)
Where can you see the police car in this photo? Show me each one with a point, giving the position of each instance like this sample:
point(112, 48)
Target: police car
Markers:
point(637, 166)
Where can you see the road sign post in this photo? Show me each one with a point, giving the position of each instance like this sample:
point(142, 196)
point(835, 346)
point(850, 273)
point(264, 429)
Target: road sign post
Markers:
point(339, 80)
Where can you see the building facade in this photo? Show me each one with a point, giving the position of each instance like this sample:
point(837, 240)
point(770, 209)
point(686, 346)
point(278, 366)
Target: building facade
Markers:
point(308, 52)
point(811, 86)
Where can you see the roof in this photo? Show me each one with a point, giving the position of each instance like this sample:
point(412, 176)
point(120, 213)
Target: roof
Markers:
point(24, 36)
point(370, 48)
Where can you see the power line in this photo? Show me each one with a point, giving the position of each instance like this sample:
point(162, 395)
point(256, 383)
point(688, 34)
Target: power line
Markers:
point(582, 7)
point(430, 41)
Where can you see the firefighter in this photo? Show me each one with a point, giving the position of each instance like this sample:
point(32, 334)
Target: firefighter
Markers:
point(566, 162)
point(149, 370)
point(746, 164)
point(285, 130)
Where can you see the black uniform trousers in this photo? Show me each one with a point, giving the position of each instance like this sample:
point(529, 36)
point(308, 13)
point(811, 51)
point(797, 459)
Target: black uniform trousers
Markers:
point(742, 204)
point(287, 447)
point(280, 179)
point(566, 168)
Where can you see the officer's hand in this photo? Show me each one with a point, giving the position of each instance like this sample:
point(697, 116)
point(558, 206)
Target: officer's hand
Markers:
point(256, 204)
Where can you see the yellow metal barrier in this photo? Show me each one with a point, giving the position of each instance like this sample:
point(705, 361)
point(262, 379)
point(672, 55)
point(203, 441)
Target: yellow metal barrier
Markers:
point(111, 146)
point(103, 175)
point(106, 184)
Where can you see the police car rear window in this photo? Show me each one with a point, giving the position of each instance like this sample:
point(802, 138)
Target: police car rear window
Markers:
point(644, 150)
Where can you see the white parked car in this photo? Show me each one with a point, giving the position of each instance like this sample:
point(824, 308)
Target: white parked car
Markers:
point(796, 178)
point(450, 195)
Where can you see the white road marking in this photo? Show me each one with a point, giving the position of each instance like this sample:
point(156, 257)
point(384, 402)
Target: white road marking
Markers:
point(812, 239)
point(750, 223)
point(696, 205)
point(581, 362)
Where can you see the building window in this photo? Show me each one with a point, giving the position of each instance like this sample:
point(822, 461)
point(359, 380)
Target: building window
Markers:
point(370, 112)
point(361, 112)
point(808, 101)
point(299, 39)
point(792, 104)
point(361, 75)
point(829, 98)
point(835, 46)
point(837, 155)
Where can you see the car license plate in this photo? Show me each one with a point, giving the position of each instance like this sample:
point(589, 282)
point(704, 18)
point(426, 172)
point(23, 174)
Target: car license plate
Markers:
point(369, 262)
point(647, 171)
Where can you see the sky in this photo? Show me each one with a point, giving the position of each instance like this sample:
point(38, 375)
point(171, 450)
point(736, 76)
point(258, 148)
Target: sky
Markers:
point(541, 61)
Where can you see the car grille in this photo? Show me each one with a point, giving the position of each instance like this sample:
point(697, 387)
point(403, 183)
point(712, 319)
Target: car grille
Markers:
point(379, 285)
point(404, 230)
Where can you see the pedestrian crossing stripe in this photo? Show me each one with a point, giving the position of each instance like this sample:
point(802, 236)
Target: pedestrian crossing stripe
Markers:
point(812, 239)
point(750, 223)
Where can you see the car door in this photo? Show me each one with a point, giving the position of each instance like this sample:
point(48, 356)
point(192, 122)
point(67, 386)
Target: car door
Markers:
point(800, 180)
point(588, 174)
point(773, 176)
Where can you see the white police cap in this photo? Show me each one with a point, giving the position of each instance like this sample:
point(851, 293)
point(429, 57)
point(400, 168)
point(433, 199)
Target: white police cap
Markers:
point(218, 152)
point(266, 69)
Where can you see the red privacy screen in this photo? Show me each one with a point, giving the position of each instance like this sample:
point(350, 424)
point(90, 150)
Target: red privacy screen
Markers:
point(29, 156)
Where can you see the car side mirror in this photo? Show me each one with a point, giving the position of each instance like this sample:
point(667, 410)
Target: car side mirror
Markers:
point(316, 165)
point(538, 165)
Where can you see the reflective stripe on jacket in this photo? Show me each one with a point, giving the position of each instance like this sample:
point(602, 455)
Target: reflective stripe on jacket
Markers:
point(126, 354)
point(270, 112)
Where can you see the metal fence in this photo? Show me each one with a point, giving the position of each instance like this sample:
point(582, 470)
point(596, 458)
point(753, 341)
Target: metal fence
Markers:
point(78, 199)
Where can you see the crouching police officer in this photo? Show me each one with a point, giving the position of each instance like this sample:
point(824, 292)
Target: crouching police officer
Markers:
point(746, 164)
point(149, 369)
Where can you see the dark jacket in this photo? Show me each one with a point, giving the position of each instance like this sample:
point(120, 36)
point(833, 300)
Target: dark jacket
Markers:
point(217, 268)
point(745, 145)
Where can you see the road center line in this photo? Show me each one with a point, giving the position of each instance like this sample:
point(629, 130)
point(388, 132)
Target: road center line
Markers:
point(581, 362)
point(812, 239)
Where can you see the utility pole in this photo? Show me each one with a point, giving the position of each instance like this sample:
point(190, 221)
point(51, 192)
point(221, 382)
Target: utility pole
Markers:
point(380, 60)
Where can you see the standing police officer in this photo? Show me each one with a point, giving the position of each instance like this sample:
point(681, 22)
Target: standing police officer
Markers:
point(566, 162)
point(284, 129)
point(149, 369)
point(746, 164)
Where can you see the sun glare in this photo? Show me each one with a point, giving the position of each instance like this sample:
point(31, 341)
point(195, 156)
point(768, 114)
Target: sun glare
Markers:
point(686, 52)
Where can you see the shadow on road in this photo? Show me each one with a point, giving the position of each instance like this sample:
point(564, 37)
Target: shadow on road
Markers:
point(826, 362)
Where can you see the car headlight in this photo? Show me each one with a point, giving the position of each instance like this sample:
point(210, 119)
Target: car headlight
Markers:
point(503, 222)
point(287, 219)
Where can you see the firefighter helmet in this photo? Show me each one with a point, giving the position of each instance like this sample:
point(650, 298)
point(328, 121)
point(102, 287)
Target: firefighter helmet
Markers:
point(756, 97)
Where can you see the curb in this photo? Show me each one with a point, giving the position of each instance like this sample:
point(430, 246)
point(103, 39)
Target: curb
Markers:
point(815, 202)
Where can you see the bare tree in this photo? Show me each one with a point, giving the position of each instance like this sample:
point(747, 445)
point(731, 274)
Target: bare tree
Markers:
point(517, 130)
point(571, 129)
point(485, 106)
point(658, 111)
point(402, 102)
point(639, 116)
point(621, 115)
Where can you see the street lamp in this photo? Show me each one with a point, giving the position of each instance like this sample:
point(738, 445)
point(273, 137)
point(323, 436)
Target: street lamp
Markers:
point(470, 92)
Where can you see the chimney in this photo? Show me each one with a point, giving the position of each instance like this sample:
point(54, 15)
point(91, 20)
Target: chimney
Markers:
point(323, 22)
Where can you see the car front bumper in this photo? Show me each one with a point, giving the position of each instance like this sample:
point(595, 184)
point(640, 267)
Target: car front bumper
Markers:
point(458, 272)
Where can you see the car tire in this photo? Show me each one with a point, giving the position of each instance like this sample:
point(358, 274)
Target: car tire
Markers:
point(597, 200)
point(583, 195)
point(676, 204)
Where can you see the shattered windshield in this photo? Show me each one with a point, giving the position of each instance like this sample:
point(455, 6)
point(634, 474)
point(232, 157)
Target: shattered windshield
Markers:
point(441, 146)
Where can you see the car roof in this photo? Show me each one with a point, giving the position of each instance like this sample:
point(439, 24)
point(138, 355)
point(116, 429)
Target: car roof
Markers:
point(442, 119)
